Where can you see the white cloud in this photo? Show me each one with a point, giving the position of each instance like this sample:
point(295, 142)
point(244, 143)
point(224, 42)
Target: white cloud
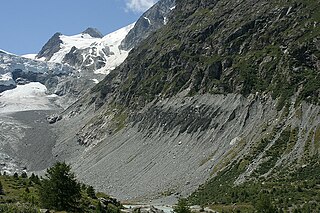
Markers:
point(139, 5)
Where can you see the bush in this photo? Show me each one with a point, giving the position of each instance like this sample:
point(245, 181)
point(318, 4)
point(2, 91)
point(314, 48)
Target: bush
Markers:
point(264, 204)
point(182, 206)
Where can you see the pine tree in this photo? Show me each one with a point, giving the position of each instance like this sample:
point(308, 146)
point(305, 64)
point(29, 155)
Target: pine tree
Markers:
point(91, 193)
point(1, 189)
point(15, 175)
point(35, 179)
point(60, 190)
point(24, 175)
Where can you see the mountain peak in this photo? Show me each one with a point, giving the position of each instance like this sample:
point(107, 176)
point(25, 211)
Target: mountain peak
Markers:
point(52, 46)
point(94, 32)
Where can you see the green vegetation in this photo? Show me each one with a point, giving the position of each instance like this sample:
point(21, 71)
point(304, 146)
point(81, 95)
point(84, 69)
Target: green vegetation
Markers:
point(295, 187)
point(58, 191)
point(294, 190)
point(182, 206)
point(200, 53)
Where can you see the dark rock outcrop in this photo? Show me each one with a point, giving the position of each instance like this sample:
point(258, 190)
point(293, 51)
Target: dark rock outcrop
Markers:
point(149, 22)
point(93, 32)
point(51, 47)
point(54, 118)
point(6, 87)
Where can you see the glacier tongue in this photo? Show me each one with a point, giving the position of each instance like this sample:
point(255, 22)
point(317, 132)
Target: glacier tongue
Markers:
point(27, 97)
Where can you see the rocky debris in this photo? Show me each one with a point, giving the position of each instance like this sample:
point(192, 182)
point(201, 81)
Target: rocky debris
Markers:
point(152, 210)
point(106, 201)
point(148, 150)
point(143, 209)
point(201, 209)
point(54, 118)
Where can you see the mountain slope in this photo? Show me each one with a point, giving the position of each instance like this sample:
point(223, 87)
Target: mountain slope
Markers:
point(269, 51)
point(224, 87)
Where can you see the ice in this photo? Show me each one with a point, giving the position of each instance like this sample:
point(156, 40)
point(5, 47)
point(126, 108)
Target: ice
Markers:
point(27, 97)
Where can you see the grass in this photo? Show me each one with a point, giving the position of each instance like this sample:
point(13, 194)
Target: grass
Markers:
point(21, 195)
point(291, 187)
point(249, 208)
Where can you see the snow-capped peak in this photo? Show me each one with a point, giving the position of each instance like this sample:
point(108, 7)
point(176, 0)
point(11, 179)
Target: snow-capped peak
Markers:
point(93, 32)
point(87, 50)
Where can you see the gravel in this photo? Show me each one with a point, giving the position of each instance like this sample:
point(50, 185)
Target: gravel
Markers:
point(27, 139)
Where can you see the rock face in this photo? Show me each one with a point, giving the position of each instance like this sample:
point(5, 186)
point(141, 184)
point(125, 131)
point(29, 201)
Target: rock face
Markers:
point(149, 22)
point(51, 47)
point(93, 32)
point(202, 93)
point(212, 48)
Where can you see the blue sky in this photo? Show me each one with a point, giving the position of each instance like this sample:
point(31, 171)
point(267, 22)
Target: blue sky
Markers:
point(26, 25)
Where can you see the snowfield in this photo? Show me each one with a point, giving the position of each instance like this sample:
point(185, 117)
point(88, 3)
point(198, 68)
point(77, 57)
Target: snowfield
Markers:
point(30, 56)
point(96, 47)
point(27, 97)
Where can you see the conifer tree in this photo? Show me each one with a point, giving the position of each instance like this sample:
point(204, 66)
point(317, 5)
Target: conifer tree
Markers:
point(60, 189)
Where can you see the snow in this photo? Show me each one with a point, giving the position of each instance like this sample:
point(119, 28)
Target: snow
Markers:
point(29, 56)
point(27, 97)
point(165, 20)
point(9, 62)
point(6, 79)
point(146, 18)
point(95, 81)
point(172, 8)
point(235, 141)
point(80, 41)
point(85, 41)
point(113, 41)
